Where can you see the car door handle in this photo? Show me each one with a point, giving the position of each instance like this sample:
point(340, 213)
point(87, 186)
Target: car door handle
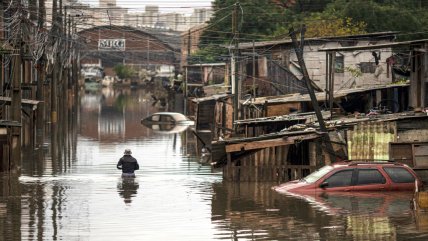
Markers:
point(347, 190)
point(382, 188)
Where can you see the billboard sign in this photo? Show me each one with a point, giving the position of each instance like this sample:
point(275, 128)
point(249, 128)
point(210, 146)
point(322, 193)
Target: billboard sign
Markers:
point(111, 44)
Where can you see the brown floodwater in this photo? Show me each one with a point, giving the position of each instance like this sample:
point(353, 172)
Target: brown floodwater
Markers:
point(78, 194)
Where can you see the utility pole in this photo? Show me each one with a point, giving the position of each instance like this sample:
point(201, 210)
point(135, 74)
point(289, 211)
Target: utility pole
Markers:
point(254, 71)
point(75, 70)
point(189, 49)
point(40, 68)
point(2, 31)
point(54, 81)
point(16, 99)
point(234, 64)
point(299, 53)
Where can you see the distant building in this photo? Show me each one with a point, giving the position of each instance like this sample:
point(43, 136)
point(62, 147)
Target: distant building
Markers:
point(190, 41)
point(152, 18)
point(108, 13)
point(107, 3)
point(200, 15)
point(109, 46)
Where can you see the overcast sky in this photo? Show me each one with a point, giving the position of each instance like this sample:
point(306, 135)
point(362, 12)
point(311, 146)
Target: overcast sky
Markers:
point(180, 6)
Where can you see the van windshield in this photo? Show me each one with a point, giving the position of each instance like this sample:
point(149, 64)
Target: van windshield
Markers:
point(315, 176)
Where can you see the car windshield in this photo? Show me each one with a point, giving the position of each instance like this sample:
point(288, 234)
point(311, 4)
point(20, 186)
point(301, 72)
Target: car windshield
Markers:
point(315, 176)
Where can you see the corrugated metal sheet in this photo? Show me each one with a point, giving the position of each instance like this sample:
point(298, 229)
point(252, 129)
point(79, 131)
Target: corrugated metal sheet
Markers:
point(370, 140)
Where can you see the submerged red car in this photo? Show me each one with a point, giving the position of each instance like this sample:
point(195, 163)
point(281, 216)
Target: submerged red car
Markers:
point(355, 176)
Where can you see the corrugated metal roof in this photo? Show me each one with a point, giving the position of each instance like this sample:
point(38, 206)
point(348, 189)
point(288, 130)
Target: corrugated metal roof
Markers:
point(283, 118)
point(375, 46)
point(319, 95)
point(205, 65)
point(388, 34)
point(169, 38)
point(209, 98)
point(311, 128)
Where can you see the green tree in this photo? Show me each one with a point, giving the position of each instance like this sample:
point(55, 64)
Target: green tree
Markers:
point(256, 19)
point(308, 6)
point(124, 72)
point(262, 20)
point(410, 17)
point(210, 54)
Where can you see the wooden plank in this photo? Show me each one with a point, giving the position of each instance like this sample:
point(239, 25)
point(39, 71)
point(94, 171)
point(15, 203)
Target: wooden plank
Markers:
point(421, 149)
point(8, 100)
point(244, 146)
point(282, 108)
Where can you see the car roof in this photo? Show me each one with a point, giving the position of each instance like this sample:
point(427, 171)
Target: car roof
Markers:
point(367, 163)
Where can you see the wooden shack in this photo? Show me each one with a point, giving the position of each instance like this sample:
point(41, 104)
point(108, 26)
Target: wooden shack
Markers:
point(271, 68)
point(393, 97)
point(297, 150)
point(213, 118)
point(383, 120)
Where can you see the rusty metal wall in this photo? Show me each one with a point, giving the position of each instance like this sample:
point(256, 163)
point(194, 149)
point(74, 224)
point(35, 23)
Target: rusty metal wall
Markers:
point(371, 140)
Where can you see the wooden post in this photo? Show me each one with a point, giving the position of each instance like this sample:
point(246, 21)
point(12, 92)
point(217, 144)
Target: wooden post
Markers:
point(327, 75)
point(331, 83)
point(254, 71)
point(235, 65)
point(16, 99)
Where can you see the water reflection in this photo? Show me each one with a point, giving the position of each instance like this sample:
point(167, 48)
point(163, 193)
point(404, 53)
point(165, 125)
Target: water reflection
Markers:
point(10, 208)
point(82, 197)
point(252, 211)
point(374, 203)
point(167, 128)
point(127, 189)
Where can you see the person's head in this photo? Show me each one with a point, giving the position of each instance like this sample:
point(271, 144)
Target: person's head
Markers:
point(127, 152)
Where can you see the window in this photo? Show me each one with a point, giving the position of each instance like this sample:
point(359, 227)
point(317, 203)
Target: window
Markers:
point(155, 118)
point(339, 66)
point(367, 67)
point(315, 176)
point(399, 174)
point(340, 179)
point(166, 118)
point(249, 68)
point(370, 176)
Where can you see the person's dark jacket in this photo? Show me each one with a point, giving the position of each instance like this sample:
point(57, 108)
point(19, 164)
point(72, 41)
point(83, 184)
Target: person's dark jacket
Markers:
point(128, 164)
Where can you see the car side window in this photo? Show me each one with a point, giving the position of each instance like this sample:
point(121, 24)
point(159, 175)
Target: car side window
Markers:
point(166, 118)
point(399, 174)
point(370, 176)
point(155, 118)
point(340, 179)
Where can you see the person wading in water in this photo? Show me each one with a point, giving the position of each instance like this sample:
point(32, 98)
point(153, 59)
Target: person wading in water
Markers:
point(128, 164)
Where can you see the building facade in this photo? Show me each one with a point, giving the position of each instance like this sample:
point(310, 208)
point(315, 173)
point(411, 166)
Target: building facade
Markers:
point(109, 46)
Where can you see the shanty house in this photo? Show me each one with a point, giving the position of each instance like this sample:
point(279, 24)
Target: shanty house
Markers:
point(361, 131)
point(271, 67)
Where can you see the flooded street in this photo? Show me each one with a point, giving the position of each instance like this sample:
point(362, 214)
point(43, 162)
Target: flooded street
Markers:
point(79, 194)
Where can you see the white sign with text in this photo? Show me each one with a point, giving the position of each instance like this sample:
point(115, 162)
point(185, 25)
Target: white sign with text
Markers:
point(111, 44)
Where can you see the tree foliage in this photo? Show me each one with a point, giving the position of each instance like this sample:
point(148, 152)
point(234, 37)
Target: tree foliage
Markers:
point(409, 17)
point(262, 20)
point(210, 54)
point(334, 26)
point(124, 72)
point(255, 19)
